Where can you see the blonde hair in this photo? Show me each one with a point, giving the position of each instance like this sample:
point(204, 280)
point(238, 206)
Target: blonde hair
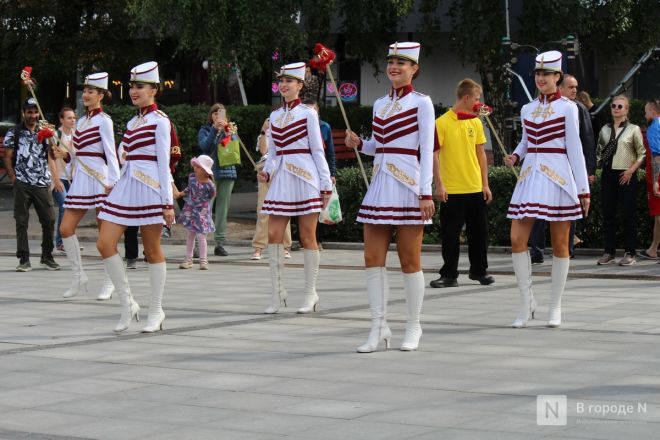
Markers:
point(623, 98)
point(467, 87)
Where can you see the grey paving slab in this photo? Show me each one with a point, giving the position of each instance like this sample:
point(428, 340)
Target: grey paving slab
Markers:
point(221, 369)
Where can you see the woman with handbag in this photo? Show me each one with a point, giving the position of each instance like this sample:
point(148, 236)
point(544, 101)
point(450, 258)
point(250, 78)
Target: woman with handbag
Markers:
point(300, 184)
point(553, 184)
point(216, 141)
point(620, 153)
point(399, 199)
point(142, 197)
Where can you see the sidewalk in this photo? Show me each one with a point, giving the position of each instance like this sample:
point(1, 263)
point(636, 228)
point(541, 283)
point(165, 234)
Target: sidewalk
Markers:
point(223, 370)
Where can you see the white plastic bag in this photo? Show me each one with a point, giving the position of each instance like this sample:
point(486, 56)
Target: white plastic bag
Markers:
point(331, 215)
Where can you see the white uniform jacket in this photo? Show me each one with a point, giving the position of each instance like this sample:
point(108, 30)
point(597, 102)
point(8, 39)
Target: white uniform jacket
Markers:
point(146, 144)
point(295, 146)
point(402, 139)
point(550, 144)
point(94, 145)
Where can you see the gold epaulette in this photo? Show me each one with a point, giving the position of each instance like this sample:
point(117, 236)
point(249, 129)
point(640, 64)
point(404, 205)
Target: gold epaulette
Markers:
point(161, 113)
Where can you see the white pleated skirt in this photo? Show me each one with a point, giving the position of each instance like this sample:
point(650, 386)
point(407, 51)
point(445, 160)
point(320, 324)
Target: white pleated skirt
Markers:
point(85, 192)
point(291, 196)
point(390, 202)
point(132, 203)
point(539, 197)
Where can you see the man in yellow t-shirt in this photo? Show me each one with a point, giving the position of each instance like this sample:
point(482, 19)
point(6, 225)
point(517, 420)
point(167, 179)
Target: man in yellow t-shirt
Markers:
point(460, 174)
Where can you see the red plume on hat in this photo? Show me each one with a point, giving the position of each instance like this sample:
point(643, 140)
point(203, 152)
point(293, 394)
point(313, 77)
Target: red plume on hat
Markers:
point(322, 58)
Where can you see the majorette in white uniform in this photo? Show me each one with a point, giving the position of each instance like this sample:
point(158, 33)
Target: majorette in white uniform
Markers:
point(402, 146)
point(402, 142)
point(552, 180)
point(296, 163)
point(553, 176)
point(94, 162)
point(94, 165)
point(144, 189)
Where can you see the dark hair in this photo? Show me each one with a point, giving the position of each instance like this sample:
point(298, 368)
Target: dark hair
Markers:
point(107, 94)
point(655, 104)
point(157, 86)
point(64, 110)
point(310, 102)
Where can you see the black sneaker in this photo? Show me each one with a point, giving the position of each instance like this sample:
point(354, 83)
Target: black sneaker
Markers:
point(484, 280)
point(48, 262)
point(444, 282)
point(537, 260)
point(220, 251)
point(131, 263)
point(24, 266)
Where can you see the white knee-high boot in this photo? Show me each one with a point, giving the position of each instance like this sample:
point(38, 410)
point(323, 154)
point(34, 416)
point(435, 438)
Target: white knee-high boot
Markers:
point(156, 316)
point(79, 281)
point(312, 261)
point(378, 291)
point(114, 266)
point(107, 289)
point(558, 276)
point(413, 284)
point(276, 264)
point(522, 267)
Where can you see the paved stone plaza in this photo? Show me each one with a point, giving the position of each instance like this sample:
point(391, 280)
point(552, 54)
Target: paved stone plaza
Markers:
point(223, 370)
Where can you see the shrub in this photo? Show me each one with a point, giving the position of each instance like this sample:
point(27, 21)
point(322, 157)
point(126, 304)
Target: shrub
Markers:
point(351, 190)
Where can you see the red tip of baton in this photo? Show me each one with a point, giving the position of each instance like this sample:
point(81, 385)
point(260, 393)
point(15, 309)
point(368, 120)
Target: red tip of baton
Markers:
point(479, 105)
point(323, 57)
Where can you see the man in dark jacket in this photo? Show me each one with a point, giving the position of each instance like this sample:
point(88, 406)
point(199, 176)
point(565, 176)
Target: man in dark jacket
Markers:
point(568, 89)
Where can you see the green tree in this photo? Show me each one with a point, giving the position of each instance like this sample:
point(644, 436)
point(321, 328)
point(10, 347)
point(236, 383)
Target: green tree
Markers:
point(60, 38)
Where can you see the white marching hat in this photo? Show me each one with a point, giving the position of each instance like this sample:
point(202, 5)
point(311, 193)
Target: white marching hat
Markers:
point(550, 61)
point(98, 80)
point(407, 51)
point(145, 73)
point(293, 70)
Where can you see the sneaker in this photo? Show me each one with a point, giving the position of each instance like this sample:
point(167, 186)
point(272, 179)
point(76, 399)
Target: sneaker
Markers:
point(287, 254)
point(48, 262)
point(131, 263)
point(605, 259)
point(24, 266)
point(220, 251)
point(166, 232)
point(627, 260)
point(256, 255)
point(203, 264)
point(537, 260)
point(186, 264)
point(60, 249)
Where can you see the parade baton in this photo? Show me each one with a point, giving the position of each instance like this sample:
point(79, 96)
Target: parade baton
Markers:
point(247, 152)
point(45, 132)
point(485, 111)
point(323, 58)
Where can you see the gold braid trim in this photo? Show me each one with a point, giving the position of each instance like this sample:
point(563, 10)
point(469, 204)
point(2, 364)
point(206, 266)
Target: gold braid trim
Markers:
point(552, 174)
point(92, 172)
point(524, 174)
point(146, 179)
point(400, 175)
point(301, 172)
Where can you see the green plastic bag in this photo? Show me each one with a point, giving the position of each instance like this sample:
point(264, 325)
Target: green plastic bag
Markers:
point(229, 154)
point(331, 215)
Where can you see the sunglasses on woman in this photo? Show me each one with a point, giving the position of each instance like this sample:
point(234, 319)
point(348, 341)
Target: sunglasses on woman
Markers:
point(619, 106)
